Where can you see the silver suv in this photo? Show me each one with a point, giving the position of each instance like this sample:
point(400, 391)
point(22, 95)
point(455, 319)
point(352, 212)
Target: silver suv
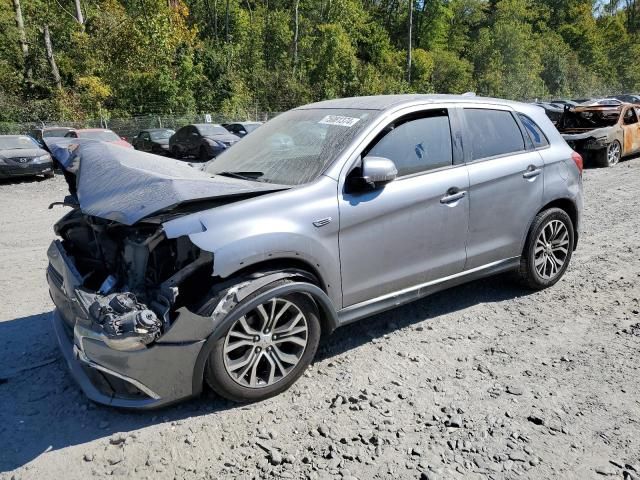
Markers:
point(166, 277)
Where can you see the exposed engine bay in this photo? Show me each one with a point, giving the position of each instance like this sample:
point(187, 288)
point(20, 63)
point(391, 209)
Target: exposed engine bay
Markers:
point(133, 277)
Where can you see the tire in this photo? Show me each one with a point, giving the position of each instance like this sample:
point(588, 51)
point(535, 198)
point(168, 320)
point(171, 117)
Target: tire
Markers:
point(49, 175)
point(609, 156)
point(204, 155)
point(552, 231)
point(175, 153)
point(232, 382)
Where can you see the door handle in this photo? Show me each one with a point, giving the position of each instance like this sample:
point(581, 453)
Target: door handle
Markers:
point(453, 195)
point(531, 172)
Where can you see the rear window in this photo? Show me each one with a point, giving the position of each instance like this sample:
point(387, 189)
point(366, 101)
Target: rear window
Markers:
point(492, 132)
point(535, 133)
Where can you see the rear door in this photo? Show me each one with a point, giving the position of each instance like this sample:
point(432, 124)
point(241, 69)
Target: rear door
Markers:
point(630, 131)
point(506, 184)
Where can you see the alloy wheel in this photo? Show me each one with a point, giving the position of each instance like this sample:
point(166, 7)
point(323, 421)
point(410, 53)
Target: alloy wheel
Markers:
point(551, 249)
point(265, 345)
point(613, 153)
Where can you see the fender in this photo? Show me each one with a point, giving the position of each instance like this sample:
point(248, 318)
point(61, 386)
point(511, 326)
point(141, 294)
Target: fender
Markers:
point(235, 295)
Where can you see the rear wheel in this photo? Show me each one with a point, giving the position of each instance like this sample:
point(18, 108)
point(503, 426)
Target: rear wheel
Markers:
point(548, 249)
point(265, 351)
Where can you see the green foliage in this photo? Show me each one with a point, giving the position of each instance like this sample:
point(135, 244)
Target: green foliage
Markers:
point(239, 57)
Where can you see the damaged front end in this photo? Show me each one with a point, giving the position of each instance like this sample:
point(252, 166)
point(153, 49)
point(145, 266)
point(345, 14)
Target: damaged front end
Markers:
point(589, 129)
point(125, 297)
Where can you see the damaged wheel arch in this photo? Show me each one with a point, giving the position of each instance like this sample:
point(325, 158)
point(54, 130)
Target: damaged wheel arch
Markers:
point(252, 292)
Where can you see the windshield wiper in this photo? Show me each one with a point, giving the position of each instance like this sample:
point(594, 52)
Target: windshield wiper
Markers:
point(255, 176)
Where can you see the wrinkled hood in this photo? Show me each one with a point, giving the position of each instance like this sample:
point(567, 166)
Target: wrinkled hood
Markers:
point(128, 185)
point(22, 152)
point(596, 132)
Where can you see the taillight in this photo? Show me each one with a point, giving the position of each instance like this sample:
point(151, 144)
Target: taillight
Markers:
point(577, 158)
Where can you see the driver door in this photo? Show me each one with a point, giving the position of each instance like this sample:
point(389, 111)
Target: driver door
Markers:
point(412, 230)
point(631, 131)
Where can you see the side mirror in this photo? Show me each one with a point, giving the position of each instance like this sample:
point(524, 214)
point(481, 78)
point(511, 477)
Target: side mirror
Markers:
point(375, 172)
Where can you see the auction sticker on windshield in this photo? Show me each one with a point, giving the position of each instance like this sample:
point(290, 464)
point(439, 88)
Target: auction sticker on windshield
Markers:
point(339, 120)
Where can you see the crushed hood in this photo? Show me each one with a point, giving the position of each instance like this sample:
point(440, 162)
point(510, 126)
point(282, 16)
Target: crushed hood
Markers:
point(127, 185)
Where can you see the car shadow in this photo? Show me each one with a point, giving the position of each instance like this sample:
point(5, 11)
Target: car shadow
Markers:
point(20, 180)
point(44, 410)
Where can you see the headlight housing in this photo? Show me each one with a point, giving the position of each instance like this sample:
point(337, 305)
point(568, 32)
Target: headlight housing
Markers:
point(42, 159)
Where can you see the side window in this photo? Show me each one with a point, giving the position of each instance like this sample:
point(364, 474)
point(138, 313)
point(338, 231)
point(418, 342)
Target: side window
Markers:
point(417, 145)
point(630, 117)
point(535, 133)
point(492, 132)
point(145, 137)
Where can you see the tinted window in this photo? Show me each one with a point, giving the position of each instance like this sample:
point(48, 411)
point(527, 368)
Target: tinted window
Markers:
point(492, 132)
point(417, 145)
point(534, 131)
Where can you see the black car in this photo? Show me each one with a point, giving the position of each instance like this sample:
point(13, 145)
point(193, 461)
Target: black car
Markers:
point(201, 140)
point(153, 140)
point(21, 156)
point(241, 128)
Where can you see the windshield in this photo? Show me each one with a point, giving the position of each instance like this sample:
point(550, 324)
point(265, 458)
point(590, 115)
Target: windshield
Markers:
point(295, 147)
point(104, 135)
point(17, 142)
point(207, 130)
point(161, 134)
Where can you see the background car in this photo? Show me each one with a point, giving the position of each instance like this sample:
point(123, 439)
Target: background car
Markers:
point(602, 101)
point(20, 156)
point(102, 134)
point(241, 128)
point(602, 134)
point(153, 140)
point(553, 111)
point(629, 98)
point(39, 133)
point(201, 140)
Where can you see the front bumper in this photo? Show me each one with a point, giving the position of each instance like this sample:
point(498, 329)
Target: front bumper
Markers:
point(155, 376)
point(25, 169)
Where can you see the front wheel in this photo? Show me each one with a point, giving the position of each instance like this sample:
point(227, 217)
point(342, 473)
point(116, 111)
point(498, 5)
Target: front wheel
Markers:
point(548, 249)
point(610, 155)
point(265, 351)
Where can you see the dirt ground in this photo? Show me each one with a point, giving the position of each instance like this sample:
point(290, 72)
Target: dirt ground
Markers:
point(483, 381)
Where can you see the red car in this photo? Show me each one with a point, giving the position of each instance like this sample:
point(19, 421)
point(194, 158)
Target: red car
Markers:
point(103, 134)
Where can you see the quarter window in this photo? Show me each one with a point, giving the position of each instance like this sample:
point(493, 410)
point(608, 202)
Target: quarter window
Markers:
point(535, 133)
point(417, 145)
point(492, 132)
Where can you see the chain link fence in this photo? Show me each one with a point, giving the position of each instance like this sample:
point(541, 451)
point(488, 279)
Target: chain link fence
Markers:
point(128, 127)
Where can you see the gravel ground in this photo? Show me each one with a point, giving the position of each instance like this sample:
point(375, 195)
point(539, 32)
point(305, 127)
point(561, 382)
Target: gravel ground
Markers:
point(483, 381)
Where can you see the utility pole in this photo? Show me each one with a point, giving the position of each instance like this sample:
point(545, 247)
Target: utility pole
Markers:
point(409, 42)
point(22, 38)
point(52, 61)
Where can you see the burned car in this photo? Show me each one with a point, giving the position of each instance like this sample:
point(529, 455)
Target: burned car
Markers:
point(602, 134)
point(166, 278)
